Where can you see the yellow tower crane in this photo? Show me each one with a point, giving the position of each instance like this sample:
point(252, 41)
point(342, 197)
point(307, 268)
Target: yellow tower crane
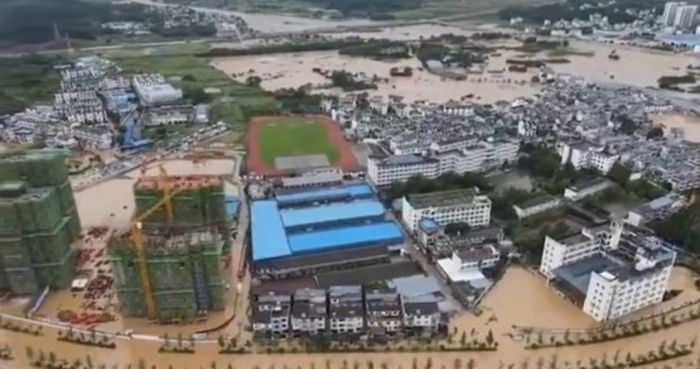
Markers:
point(139, 242)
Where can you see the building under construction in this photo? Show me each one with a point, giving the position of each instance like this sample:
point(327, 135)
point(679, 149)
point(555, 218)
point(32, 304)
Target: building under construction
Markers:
point(177, 269)
point(38, 222)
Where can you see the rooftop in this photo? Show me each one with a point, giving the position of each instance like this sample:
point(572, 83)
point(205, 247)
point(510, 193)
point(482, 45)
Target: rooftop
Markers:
point(330, 194)
point(267, 232)
point(578, 274)
point(178, 182)
point(588, 183)
point(442, 198)
point(331, 213)
point(371, 234)
point(540, 200)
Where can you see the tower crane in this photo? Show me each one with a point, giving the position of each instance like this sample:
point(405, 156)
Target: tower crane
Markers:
point(138, 240)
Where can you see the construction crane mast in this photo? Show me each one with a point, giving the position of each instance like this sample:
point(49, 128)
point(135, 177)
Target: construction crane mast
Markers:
point(138, 240)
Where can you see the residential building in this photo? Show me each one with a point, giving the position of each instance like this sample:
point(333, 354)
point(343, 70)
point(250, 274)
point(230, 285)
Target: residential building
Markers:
point(442, 244)
point(660, 208)
point(399, 168)
point(420, 315)
point(309, 312)
point(589, 187)
point(383, 311)
point(668, 18)
point(537, 205)
point(685, 16)
point(271, 315)
point(608, 271)
point(346, 313)
point(459, 157)
point(447, 207)
point(94, 137)
point(583, 155)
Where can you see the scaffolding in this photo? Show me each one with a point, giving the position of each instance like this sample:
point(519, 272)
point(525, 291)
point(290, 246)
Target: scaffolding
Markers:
point(168, 268)
point(184, 270)
point(38, 222)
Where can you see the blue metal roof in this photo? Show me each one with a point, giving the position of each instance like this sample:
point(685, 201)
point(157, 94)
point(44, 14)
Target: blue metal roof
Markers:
point(267, 232)
point(429, 225)
point(331, 213)
point(352, 191)
point(364, 235)
point(360, 190)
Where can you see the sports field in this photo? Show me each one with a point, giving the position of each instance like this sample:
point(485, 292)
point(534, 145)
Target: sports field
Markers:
point(291, 136)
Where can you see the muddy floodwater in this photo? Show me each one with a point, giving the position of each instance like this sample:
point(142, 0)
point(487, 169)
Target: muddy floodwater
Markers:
point(636, 67)
point(293, 70)
point(521, 298)
point(690, 124)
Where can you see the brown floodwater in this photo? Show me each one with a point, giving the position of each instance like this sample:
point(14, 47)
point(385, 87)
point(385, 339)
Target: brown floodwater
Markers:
point(689, 123)
point(519, 298)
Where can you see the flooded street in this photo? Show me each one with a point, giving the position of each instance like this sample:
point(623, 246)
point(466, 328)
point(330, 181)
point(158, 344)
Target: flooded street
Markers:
point(690, 124)
point(520, 298)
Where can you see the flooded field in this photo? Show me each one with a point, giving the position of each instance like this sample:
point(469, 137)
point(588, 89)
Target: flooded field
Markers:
point(636, 67)
point(690, 124)
point(293, 70)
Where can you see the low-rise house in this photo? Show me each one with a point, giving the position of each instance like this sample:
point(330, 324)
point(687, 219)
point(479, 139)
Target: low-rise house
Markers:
point(383, 311)
point(421, 315)
point(309, 313)
point(535, 206)
point(582, 189)
point(271, 315)
point(346, 314)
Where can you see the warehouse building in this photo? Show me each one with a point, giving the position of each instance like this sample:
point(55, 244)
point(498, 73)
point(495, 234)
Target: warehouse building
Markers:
point(301, 240)
point(446, 207)
point(326, 195)
point(38, 222)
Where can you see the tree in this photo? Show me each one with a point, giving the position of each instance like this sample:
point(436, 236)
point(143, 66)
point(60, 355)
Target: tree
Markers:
point(655, 132)
point(196, 95)
point(30, 353)
point(471, 364)
point(88, 362)
point(620, 174)
point(489, 338)
point(253, 81)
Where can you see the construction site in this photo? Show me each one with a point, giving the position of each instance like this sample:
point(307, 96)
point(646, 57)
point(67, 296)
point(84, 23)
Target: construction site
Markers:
point(39, 222)
point(168, 267)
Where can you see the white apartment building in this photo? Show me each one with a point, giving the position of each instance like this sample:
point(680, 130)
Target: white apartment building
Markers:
point(669, 16)
point(685, 16)
point(535, 206)
point(609, 272)
point(584, 155)
point(459, 157)
point(420, 315)
point(446, 207)
point(399, 168)
point(93, 137)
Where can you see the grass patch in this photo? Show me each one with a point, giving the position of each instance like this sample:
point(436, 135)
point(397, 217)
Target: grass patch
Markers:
point(27, 80)
point(295, 136)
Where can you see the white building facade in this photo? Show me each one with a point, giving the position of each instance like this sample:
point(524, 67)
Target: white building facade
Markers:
point(584, 155)
point(446, 207)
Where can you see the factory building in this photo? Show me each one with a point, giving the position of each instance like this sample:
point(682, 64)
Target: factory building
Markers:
point(183, 264)
point(446, 207)
point(38, 222)
point(608, 271)
point(310, 232)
